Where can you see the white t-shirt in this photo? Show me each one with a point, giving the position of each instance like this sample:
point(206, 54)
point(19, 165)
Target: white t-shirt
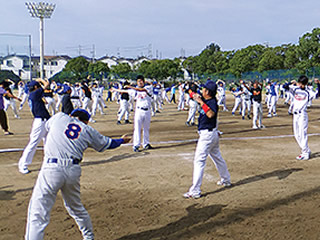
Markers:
point(143, 99)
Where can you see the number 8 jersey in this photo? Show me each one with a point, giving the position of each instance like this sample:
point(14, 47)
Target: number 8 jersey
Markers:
point(69, 137)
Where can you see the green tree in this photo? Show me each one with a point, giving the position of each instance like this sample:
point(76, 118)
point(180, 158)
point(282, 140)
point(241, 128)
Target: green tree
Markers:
point(271, 59)
point(121, 69)
point(98, 69)
point(78, 66)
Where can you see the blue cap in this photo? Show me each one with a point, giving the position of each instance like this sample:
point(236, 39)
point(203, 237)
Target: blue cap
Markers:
point(66, 88)
point(211, 85)
point(33, 84)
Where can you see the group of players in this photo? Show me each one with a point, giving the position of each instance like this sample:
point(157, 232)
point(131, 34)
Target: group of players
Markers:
point(66, 135)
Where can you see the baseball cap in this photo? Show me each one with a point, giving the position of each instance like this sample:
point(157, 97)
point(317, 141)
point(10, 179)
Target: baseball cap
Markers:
point(66, 88)
point(81, 114)
point(211, 85)
point(33, 83)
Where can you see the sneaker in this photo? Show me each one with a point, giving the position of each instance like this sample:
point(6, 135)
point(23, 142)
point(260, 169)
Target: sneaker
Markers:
point(92, 121)
point(17, 116)
point(275, 115)
point(262, 126)
point(290, 113)
point(269, 115)
point(232, 113)
point(136, 149)
point(190, 195)
point(192, 124)
point(127, 122)
point(188, 124)
point(118, 122)
point(224, 184)
point(255, 127)
point(303, 157)
point(8, 133)
point(157, 111)
point(24, 170)
point(249, 117)
point(242, 117)
point(148, 146)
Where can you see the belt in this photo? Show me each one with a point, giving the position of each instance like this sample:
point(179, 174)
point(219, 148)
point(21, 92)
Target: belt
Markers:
point(208, 129)
point(297, 112)
point(144, 109)
point(55, 160)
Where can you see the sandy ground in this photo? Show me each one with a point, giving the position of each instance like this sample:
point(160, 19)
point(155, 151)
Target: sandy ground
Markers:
point(139, 195)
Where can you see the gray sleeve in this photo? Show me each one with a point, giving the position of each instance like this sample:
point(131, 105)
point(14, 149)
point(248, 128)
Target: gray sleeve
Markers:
point(97, 141)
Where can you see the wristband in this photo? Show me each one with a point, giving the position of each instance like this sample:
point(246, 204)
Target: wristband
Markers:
point(205, 108)
point(191, 94)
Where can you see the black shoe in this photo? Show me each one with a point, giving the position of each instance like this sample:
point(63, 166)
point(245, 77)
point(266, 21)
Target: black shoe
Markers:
point(157, 111)
point(192, 124)
point(242, 117)
point(118, 122)
point(188, 124)
point(127, 122)
point(148, 146)
point(249, 117)
point(136, 149)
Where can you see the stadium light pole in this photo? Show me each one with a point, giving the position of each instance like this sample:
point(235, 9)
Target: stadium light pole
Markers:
point(41, 10)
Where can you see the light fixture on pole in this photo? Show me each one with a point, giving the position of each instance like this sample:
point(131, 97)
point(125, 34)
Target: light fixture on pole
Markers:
point(41, 10)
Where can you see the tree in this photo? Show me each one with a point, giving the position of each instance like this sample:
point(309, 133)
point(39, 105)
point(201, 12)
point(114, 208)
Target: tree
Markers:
point(6, 74)
point(271, 59)
point(98, 69)
point(121, 69)
point(78, 66)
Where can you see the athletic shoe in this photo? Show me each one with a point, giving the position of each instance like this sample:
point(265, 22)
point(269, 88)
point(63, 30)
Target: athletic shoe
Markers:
point(269, 115)
point(118, 122)
point(255, 127)
point(275, 115)
point(92, 121)
point(127, 122)
point(148, 146)
point(17, 116)
point(191, 195)
point(157, 111)
point(188, 124)
point(262, 126)
point(224, 184)
point(24, 170)
point(249, 117)
point(242, 117)
point(290, 113)
point(136, 149)
point(232, 113)
point(8, 133)
point(303, 157)
point(192, 124)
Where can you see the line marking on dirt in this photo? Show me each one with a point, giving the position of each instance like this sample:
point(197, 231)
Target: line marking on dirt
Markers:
point(185, 141)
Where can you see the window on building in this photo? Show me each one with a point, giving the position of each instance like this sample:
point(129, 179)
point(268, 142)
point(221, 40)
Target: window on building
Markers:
point(9, 63)
point(54, 63)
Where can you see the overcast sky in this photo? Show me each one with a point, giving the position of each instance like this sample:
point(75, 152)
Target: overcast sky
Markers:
point(129, 27)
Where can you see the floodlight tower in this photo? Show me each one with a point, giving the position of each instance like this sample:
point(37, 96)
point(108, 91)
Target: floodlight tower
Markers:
point(41, 10)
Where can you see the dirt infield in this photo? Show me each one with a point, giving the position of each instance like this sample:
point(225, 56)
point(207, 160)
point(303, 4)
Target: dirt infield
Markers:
point(139, 195)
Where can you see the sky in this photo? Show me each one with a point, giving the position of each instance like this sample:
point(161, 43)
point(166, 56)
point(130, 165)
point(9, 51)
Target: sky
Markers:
point(165, 29)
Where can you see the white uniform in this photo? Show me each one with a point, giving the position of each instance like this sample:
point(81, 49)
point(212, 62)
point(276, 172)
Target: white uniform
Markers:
point(301, 98)
point(181, 97)
point(246, 102)
point(222, 97)
point(237, 101)
point(76, 95)
point(67, 138)
point(96, 95)
point(142, 117)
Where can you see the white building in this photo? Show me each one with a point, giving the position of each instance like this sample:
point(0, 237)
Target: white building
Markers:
point(19, 64)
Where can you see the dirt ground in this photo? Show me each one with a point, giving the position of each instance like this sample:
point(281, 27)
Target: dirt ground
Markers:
point(139, 195)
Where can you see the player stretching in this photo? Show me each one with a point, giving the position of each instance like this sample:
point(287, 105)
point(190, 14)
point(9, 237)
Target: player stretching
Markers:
point(301, 97)
point(67, 138)
point(208, 143)
point(41, 115)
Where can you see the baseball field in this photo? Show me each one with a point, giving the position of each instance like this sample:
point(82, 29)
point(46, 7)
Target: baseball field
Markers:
point(133, 195)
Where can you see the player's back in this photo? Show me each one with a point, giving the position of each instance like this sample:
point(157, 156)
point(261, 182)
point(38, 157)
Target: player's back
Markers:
point(68, 137)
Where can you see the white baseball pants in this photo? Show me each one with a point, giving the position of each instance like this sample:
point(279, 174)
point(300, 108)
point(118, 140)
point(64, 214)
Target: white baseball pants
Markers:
point(208, 144)
point(257, 114)
point(181, 102)
point(246, 105)
point(222, 102)
point(52, 178)
point(300, 130)
point(273, 105)
point(51, 103)
point(37, 133)
point(193, 105)
point(237, 102)
point(12, 103)
point(124, 110)
point(142, 121)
